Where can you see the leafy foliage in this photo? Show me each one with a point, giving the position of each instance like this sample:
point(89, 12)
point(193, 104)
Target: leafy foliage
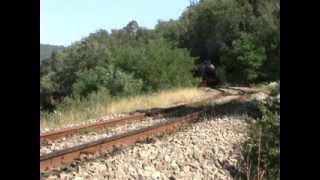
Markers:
point(126, 62)
point(262, 150)
point(241, 37)
point(244, 60)
point(46, 50)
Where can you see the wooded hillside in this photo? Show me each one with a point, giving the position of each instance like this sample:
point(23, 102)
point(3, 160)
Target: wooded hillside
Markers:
point(240, 37)
point(46, 50)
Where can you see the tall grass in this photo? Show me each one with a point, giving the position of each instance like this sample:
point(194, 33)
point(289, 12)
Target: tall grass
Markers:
point(262, 150)
point(101, 104)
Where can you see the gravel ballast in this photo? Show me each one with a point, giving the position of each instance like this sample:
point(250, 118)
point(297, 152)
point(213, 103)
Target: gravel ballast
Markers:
point(204, 151)
point(78, 139)
point(209, 149)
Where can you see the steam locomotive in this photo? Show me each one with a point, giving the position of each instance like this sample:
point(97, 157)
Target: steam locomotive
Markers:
point(207, 72)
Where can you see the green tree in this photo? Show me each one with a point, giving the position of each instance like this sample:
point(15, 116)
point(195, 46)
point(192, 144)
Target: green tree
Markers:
point(244, 60)
point(216, 29)
point(121, 63)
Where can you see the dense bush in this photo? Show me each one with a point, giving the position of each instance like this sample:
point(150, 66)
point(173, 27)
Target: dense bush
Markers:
point(126, 62)
point(262, 151)
point(241, 37)
point(116, 81)
point(157, 63)
point(243, 60)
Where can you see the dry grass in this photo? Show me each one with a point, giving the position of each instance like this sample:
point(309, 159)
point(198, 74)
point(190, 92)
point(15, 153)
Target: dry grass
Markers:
point(76, 115)
point(164, 98)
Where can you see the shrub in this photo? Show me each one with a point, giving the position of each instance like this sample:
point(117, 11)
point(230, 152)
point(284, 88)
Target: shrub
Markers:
point(117, 82)
point(262, 150)
point(125, 64)
point(244, 59)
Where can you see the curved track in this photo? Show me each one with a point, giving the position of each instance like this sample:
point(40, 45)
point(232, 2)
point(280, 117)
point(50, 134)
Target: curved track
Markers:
point(133, 116)
point(66, 156)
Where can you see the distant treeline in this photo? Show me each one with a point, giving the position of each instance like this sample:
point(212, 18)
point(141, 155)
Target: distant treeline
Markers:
point(241, 37)
point(46, 50)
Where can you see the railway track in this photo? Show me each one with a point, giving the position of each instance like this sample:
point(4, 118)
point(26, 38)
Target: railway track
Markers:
point(50, 136)
point(66, 156)
point(133, 116)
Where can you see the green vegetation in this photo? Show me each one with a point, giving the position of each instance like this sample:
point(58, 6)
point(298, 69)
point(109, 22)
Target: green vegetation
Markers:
point(46, 50)
point(124, 63)
point(109, 72)
point(97, 105)
point(262, 150)
point(241, 37)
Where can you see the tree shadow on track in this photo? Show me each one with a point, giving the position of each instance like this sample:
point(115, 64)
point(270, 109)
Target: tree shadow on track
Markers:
point(211, 110)
point(234, 108)
point(188, 108)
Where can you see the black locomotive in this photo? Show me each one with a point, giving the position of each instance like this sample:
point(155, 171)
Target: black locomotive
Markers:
point(207, 72)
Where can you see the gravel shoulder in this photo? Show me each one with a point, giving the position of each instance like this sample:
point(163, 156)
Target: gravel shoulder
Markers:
point(209, 149)
point(78, 139)
point(204, 151)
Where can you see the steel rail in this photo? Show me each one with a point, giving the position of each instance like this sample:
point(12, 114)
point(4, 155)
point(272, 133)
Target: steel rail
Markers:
point(137, 115)
point(66, 156)
point(73, 130)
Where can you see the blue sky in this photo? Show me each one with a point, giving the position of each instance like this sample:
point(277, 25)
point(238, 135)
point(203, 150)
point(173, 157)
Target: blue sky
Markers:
point(65, 21)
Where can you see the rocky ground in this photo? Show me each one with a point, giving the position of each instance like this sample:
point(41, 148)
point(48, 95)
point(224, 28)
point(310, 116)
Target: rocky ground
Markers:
point(207, 150)
point(78, 139)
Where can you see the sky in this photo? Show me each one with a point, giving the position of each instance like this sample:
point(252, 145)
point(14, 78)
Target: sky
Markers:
point(63, 22)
